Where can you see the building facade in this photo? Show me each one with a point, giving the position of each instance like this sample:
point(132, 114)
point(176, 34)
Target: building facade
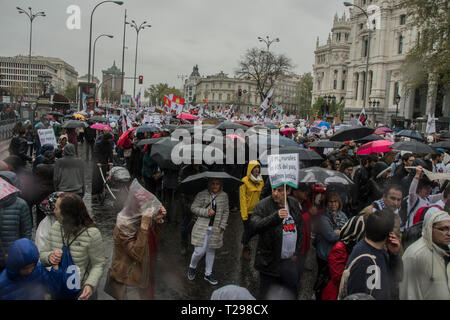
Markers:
point(54, 71)
point(340, 64)
point(190, 85)
point(222, 90)
point(111, 85)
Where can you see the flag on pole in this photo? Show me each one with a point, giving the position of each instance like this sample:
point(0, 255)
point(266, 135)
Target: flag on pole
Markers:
point(138, 99)
point(266, 102)
point(205, 101)
point(362, 117)
point(431, 124)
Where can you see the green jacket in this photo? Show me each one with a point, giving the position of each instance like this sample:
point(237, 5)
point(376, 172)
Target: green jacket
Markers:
point(87, 252)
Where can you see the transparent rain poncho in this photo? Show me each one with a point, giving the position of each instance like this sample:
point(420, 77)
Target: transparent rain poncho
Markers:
point(140, 202)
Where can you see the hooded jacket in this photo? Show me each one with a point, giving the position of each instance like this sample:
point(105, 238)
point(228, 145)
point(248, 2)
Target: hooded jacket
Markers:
point(15, 219)
point(426, 273)
point(249, 192)
point(14, 286)
point(69, 172)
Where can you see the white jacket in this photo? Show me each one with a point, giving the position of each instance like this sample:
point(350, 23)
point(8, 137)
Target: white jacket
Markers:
point(425, 275)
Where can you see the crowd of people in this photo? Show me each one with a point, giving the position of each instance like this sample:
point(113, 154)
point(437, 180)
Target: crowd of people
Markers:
point(385, 235)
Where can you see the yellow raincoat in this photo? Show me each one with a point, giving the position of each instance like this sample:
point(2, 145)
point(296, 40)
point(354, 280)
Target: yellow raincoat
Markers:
point(249, 192)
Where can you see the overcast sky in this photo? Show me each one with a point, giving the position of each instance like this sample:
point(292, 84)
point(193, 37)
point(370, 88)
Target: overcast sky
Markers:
point(211, 33)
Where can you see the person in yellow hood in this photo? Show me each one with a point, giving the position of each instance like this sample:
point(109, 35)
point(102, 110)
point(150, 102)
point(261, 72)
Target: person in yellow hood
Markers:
point(249, 194)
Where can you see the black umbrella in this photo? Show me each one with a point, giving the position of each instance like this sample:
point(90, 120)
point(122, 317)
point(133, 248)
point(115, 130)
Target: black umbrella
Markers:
point(303, 154)
point(351, 133)
point(147, 128)
point(55, 113)
point(171, 127)
point(413, 147)
point(413, 134)
point(162, 152)
point(143, 142)
point(231, 125)
point(445, 135)
point(370, 138)
point(265, 142)
point(441, 144)
point(72, 124)
point(322, 176)
point(98, 119)
point(199, 182)
point(326, 144)
point(208, 154)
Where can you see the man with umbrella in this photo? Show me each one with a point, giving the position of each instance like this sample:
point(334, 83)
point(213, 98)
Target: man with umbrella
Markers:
point(278, 222)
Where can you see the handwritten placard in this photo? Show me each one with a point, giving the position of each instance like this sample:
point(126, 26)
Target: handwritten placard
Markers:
point(283, 169)
point(47, 136)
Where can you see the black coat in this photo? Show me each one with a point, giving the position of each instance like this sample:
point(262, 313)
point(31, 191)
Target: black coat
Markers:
point(19, 147)
point(44, 174)
point(266, 222)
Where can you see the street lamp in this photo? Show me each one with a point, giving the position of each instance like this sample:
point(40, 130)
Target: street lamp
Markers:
point(268, 42)
point(93, 56)
point(143, 25)
point(397, 101)
point(374, 103)
point(349, 4)
point(31, 16)
point(90, 34)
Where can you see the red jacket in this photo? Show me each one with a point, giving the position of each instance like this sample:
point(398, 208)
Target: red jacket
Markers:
point(336, 263)
point(306, 243)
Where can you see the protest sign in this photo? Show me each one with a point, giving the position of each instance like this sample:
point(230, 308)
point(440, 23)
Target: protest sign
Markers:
point(283, 169)
point(47, 136)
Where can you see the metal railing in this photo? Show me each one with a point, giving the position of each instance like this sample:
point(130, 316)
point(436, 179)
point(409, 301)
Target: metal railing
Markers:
point(6, 129)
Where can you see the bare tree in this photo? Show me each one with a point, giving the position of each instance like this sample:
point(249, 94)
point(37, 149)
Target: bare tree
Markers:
point(264, 67)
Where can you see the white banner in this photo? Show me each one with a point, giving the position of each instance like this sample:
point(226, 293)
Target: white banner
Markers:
point(47, 136)
point(283, 169)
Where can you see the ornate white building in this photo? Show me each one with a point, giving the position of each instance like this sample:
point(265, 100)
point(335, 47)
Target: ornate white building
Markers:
point(340, 64)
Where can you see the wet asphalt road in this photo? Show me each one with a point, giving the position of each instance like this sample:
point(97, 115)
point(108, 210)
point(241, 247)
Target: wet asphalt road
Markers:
point(171, 281)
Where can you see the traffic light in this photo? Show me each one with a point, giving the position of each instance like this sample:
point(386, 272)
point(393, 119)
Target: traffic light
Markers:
point(96, 102)
point(240, 92)
point(141, 79)
point(245, 91)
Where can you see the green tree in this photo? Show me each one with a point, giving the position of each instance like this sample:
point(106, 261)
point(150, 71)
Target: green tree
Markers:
point(70, 92)
point(264, 67)
point(158, 91)
point(431, 54)
point(304, 95)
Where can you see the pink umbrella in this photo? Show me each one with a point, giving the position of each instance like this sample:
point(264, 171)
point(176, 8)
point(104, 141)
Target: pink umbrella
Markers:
point(6, 189)
point(100, 126)
point(287, 130)
point(383, 130)
point(234, 136)
point(377, 146)
point(186, 116)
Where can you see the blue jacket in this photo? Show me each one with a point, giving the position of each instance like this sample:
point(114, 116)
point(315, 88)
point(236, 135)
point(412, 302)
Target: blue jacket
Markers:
point(13, 286)
point(15, 219)
point(327, 238)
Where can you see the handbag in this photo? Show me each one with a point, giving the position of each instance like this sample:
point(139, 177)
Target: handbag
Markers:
point(115, 289)
point(127, 153)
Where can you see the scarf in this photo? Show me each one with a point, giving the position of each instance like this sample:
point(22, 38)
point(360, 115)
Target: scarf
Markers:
point(255, 180)
point(337, 219)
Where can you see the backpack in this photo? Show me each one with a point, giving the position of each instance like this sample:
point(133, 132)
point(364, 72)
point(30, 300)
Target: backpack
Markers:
point(413, 233)
point(404, 213)
point(420, 214)
point(14, 146)
point(70, 286)
point(346, 274)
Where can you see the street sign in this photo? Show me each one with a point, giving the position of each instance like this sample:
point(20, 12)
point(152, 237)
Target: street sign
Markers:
point(125, 100)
